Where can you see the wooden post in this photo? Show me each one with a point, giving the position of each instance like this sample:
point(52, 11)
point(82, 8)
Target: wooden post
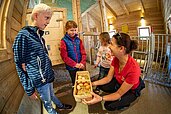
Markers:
point(104, 22)
point(76, 11)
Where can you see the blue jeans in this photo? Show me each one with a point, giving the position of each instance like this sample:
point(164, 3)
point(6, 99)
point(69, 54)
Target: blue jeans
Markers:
point(103, 72)
point(47, 95)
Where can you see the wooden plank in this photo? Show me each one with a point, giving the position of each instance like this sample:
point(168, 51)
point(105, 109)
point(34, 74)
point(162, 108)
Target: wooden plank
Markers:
point(7, 86)
point(8, 67)
point(103, 15)
point(24, 12)
point(89, 9)
point(14, 101)
point(13, 35)
point(142, 6)
point(19, 7)
point(15, 24)
point(123, 6)
point(17, 15)
point(113, 12)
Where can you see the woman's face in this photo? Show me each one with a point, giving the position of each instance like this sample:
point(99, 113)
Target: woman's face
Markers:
point(114, 47)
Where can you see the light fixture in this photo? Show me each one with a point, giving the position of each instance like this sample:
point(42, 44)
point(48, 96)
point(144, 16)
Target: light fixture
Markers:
point(111, 27)
point(142, 21)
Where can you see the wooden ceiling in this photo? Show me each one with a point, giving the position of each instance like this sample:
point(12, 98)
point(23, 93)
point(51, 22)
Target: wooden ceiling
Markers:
point(115, 8)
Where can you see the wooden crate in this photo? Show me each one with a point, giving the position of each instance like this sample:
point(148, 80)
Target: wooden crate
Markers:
point(82, 86)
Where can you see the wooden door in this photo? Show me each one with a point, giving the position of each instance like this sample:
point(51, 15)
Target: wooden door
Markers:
point(53, 34)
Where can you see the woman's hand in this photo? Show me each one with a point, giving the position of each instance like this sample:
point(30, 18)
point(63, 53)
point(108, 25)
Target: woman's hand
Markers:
point(96, 99)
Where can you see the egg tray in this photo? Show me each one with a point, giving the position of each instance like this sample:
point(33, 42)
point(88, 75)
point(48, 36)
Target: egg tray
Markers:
point(82, 86)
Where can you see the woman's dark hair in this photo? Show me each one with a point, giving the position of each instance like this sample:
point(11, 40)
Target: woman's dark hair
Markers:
point(124, 39)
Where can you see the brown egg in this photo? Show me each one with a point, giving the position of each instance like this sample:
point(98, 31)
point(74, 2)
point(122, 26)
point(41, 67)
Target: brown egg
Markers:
point(86, 83)
point(87, 87)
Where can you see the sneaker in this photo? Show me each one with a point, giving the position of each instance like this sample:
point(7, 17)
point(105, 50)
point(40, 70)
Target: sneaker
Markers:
point(97, 91)
point(65, 107)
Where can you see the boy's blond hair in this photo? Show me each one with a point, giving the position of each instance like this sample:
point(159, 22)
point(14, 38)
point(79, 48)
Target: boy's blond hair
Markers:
point(39, 8)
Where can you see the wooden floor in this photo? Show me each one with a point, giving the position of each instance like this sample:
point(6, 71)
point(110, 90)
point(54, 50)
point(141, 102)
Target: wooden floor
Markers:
point(155, 99)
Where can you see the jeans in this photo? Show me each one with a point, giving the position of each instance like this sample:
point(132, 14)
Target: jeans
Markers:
point(103, 72)
point(47, 95)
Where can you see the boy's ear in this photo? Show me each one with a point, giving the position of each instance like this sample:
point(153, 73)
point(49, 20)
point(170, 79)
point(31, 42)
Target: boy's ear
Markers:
point(35, 15)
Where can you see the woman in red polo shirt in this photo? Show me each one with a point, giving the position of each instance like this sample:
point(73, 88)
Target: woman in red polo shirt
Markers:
point(123, 81)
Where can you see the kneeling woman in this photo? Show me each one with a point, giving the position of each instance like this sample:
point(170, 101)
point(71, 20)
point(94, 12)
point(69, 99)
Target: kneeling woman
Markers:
point(123, 81)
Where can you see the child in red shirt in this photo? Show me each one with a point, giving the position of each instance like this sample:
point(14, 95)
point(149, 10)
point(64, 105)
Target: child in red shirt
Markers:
point(72, 50)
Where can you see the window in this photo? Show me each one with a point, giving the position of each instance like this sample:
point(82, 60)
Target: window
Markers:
point(144, 31)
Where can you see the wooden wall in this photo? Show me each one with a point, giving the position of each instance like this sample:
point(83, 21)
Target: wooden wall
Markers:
point(166, 11)
point(11, 90)
point(153, 18)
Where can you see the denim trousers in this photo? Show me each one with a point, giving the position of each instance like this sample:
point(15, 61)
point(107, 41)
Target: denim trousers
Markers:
point(47, 96)
point(103, 72)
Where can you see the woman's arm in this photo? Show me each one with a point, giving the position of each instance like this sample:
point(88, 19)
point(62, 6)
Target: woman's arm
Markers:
point(118, 94)
point(111, 97)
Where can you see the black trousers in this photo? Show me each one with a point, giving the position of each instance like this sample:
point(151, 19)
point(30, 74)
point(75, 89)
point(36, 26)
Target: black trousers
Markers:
point(73, 74)
point(125, 100)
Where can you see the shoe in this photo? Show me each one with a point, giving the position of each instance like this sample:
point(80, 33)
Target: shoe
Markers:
point(65, 107)
point(97, 91)
point(123, 107)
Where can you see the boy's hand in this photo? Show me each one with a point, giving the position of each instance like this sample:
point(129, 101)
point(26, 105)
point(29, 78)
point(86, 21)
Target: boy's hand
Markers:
point(24, 66)
point(34, 96)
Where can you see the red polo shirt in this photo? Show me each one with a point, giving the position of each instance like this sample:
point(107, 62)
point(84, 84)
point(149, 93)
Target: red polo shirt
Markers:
point(130, 73)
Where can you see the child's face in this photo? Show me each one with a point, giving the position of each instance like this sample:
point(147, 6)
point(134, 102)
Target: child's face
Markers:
point(42, 19)
point(71, 32)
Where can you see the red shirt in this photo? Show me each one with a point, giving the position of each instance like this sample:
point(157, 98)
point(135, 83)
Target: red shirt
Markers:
point(68, 60)
point(130, 73)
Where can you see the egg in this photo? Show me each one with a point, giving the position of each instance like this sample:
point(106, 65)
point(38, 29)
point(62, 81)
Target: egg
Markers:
point(87, 87)
point(78, 87)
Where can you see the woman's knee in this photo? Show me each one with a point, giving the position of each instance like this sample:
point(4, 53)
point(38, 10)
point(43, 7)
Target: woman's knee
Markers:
point(109, 107)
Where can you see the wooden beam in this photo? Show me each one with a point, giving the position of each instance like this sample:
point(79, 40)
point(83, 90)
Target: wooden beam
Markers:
point(76, 11)
point(87, 24)
point(158, 5)
point(89, 9)
point(103, 15)
point(96, 20)
point(142, 6)
point(113, 12)
point(123, 6)
point(24, 12)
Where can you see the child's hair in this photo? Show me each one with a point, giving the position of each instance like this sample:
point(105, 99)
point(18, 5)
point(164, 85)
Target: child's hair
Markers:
point(105, 37)
point(39, 8)
point(123, 39)
point(70, 24)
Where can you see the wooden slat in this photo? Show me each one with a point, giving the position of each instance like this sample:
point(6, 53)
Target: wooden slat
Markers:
point(13, 35)
point(89, 9)
point(7, 86)
point(113, 12)
point(19, 7)
point(17, 15)
point(123, 6)
point(13, 102)
point(15, 24)
point(142, 6)
point(103, 15)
